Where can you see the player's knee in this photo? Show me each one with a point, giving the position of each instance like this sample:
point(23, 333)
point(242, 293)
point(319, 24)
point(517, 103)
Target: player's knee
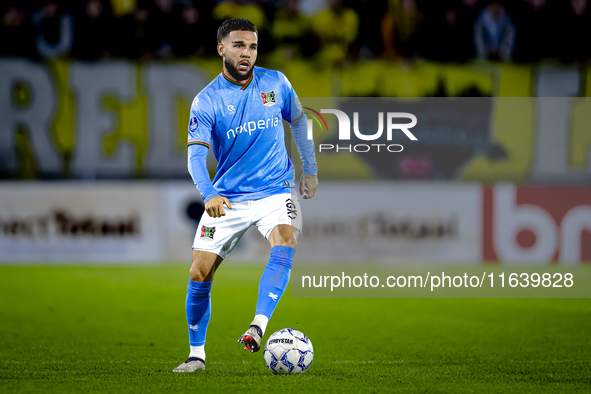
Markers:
point(198, 274)
point(285, 235)
point(292, 240)
point(203, 266)
point(292, 243)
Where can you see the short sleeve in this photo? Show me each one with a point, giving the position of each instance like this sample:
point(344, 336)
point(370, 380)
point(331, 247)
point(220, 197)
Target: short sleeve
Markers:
point(201, 121)
point(292, 108)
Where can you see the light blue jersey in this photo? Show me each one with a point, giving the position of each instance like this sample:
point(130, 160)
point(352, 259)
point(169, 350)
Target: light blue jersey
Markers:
point(242, 123)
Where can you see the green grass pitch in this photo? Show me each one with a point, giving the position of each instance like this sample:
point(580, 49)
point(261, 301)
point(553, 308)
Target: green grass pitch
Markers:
point(97, 329)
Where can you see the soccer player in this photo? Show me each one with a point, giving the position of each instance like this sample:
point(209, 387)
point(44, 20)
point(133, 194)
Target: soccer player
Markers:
point(238, 115)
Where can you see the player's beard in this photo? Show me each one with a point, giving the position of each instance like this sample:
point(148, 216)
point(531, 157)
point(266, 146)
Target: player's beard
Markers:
point(234, 73)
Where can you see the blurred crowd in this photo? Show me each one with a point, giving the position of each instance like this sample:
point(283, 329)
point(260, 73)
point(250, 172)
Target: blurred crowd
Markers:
point(330, 31)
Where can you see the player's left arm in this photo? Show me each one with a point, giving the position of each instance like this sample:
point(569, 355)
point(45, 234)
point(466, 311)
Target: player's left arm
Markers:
point(305, 146)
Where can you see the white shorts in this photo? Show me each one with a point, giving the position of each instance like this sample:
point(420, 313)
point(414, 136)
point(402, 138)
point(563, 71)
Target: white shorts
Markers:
point(221, 235)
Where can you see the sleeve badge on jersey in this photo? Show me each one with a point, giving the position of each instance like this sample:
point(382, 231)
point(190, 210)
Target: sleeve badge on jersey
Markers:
point(193, 124)
point(268, 98)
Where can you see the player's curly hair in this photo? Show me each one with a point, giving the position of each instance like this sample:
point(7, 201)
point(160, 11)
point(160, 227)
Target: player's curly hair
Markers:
point(233, 25)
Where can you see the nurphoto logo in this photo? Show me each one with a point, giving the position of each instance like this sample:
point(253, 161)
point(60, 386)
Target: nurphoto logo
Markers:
point(392, 124)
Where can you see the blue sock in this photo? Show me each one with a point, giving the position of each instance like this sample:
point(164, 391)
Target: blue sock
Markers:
point(274, 279)
point(198, 306)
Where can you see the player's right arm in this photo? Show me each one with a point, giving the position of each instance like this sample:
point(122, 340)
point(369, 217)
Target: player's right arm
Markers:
point(201, 123)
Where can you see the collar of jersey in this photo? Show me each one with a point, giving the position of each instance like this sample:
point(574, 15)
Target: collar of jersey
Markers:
point(236, 83)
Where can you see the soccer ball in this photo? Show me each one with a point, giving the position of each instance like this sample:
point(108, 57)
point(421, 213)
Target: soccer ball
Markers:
point(288, 351)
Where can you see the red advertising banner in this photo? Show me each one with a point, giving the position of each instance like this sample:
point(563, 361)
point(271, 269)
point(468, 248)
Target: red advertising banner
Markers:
point(537, 224)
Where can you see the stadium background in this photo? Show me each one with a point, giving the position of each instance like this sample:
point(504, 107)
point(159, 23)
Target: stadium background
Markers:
point(94, 101)
point(100, 91)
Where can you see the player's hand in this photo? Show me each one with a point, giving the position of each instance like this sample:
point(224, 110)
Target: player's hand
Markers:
point(215, 206)
point(308, 186)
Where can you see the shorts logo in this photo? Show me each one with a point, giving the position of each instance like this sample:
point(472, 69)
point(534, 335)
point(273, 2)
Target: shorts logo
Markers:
point(268, 98)
point(286, 183)
point(207, 232)
point(193, 124)
point(292, 212)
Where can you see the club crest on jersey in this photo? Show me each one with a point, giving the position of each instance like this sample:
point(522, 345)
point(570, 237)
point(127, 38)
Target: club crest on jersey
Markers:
point(268, 98)
point(207, 232)
point(193, 124)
